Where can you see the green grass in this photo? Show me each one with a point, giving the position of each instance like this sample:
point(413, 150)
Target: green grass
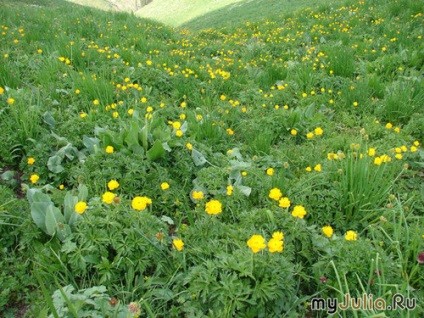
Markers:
point(176, 13)
point(249, 11)
point(146, 164)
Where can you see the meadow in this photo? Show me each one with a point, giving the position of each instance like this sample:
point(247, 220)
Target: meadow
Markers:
point(211, 170)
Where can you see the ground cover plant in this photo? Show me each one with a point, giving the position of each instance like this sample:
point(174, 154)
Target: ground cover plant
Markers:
point(241, 171)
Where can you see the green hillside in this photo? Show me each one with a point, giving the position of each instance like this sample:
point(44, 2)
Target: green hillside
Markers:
point(245, 164)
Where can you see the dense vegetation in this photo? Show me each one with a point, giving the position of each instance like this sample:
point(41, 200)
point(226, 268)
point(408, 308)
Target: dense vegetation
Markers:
point(237, 171)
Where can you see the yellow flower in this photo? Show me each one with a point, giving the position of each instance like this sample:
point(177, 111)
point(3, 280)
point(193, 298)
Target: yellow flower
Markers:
point(413, 149)
point(318, 131)
point(389, 126)
point(275, 245)
point(223, 97)
point(61, 187)
point(164, 186)
point(143, 99)
point(230, 131)
point(80, 207)
point(328, 231)
point(256, 243)
point(1, 90)
point(31, 161)
point(178, 244)
point(130, 111)
point(34, 178)
point(398, 156)
point(371, 152)
point(309, 169)
point(351, 235)
point(176, 125)
point(10, 101)
point(318, 168)
point(109, 149)
point(355, 104)
point(140, 203)
point(293, 132)
point(197, 195)
point(275, 194)
point(213, 207)
point(96, 102)
point(108, 197)
point(179, 133)
point(377, 161)
point(183, 105)
point(416, 143)
point(270, 171)
point(284, 202)
point(112, 185)
point(332, 156)
point(299, 212)
point(83, 115)
point(189, 146)
point(115, 114)
point(310, 135)
point(278, 236)
point(229, 190)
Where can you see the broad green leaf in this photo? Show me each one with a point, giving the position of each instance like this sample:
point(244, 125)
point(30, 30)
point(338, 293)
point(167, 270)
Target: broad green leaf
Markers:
point(61, 141)
point(74, 217)
point(82, 192)
point(54, 164)
point(157, 151)
point(161, 133)
point(137, 150)
point(198, 158)
point(39, 196)
point(244, 190)
point(92, 144)
point(184, 127)
point(8, 175)
point(63, 231)
point(69, 206)
point(132, 134)
point(235, 153)
point(49, 120)
point(38, 213)
point(143, 137)
point(53, 217)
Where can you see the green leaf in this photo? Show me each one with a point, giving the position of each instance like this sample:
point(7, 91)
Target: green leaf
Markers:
point(69, 206)
point(54, 164)
point(82, 192)
point(161, 133)
point(38, 213)
point(157, 151)
point(8, 175)
point(49, 120)
point(53, 217)
point(92, 144)
point(244, 190)
point(132, 135)
point(143, 137)
point(198, 158)
point(63, 231)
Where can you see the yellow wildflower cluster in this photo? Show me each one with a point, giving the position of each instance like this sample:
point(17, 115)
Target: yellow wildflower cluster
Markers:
point(257, 243)
point(140, 203)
